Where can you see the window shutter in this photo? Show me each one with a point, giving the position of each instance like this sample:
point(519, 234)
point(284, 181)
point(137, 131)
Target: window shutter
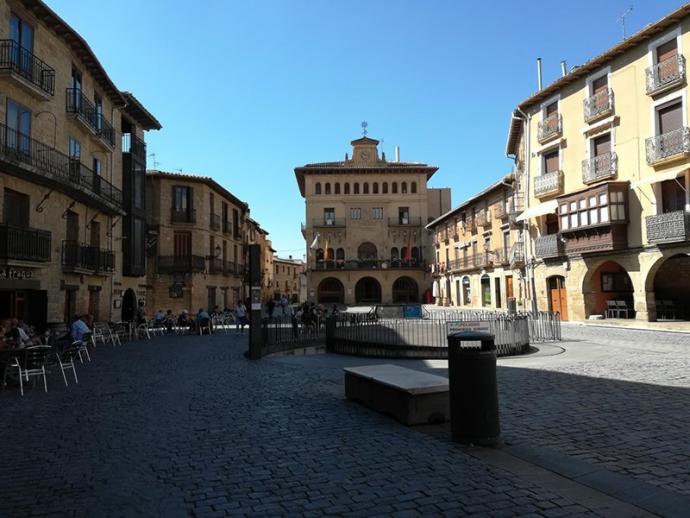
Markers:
point(670, 118)
point(666, 51)
point(600, 84)
point(602, 145)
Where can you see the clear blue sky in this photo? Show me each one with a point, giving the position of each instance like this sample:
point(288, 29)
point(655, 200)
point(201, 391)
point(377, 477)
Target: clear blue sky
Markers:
point(247, 90)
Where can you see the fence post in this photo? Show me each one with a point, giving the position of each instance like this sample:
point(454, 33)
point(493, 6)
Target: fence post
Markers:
point(330, 331)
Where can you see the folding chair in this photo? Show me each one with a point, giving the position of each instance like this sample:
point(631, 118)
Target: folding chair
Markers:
point(143, 331)
point(30, 363)
point(81, 347)
point(205, 324)
point(66, 362)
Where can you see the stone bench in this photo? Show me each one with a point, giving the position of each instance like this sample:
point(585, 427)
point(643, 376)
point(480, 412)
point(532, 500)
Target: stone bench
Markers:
point(410, 396)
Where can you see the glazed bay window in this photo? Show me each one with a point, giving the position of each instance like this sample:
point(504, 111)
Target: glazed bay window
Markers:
point(551, 179)
point(673, 138)
point(604, 162)
point(668, 70)
point(600, 102)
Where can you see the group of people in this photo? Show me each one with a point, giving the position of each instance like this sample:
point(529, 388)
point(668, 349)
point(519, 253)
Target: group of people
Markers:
point(202, 320)
point(15, 333)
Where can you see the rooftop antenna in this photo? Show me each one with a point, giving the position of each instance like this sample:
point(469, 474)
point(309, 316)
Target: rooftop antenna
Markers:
point(156, 163)
point(622, 20)
point(365, 124)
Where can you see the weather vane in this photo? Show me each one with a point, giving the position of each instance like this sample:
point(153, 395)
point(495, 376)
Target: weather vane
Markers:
point(364, 128)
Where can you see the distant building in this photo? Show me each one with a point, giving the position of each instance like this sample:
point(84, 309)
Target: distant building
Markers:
point(256, 235)
point(365, 219)
point(286, 278)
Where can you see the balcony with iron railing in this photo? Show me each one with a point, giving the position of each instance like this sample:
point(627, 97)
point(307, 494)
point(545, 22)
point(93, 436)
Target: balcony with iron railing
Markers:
point(598, 105)
point(670, 227)
point(549, 128)
point(83, 258)
point(86, 112)
point(666, 75)
point(501, 256)
point(181, 264)
point(548, 184)
point(229, 267)
point(214, 222)
point(516, 257)
point(20, 65)
point(405, 222)
point(215, 266)
point(549, 246)
point(369, 264)
point(24, 243)
point(31, 160)
point(178, 215)
point(668, 147)
point(482, 218)
point(328, 222)
point(134, 145)
point(601, 167)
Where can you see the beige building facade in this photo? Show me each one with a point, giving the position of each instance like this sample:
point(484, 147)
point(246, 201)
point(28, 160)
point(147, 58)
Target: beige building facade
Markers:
point(71, 153)
point(604, 153)
point(255, 234)
point(286, 278)
point(365, 219)
point(196, 238)
point(479, 256)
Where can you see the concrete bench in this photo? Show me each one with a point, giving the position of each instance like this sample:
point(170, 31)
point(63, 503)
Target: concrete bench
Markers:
point(410, 396)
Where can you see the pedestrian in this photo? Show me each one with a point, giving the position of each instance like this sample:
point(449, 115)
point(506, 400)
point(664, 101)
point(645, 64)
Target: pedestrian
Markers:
point(270, 307)
point(240, 317)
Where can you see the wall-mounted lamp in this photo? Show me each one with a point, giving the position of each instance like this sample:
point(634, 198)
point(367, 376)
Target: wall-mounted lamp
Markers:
point(39, 207)
point(69, 207)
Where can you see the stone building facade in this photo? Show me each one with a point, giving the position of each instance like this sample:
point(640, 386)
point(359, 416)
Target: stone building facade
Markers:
point(479, 257)
point(255, 234)
point(71, 150)
point(286, 278)
point(196, 238)
point(365, 219)
point(604, 153)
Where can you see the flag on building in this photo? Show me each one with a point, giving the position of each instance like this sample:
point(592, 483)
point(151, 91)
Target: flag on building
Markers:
point(315, 244)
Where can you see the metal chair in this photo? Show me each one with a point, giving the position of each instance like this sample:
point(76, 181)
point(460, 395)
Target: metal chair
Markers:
point(142, 331)
point(30, 362)
point(205, 324)
point(66, 362)
point(80, 346)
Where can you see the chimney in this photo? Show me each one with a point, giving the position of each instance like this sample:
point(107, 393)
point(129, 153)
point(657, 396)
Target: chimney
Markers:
point(563, 69)
point(539, 74)
point(397, 153)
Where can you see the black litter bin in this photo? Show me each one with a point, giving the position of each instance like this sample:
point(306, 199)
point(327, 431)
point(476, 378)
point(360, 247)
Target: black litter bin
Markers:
point(473, 390)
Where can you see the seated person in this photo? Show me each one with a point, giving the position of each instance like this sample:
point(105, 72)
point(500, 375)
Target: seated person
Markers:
point(203, 319)
point(184, 321)
point(159, 318)
point(16, 335)
point(79, 329)
point(169, 320)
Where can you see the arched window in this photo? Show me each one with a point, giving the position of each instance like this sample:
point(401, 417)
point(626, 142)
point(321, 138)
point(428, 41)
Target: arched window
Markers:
point(394, 188)
point(328, 188)
point(413, 187)
point(319, 254)
point(347, 188)
point(375, 188)
point(356, 188)
point(317, 188)
point(367, 251)
point(395, 256)
point(403, 188)
point(337, 188)
point(385, 187)
point(340, 255)
point(415, 256)
point(365, 188)
point(330, 255)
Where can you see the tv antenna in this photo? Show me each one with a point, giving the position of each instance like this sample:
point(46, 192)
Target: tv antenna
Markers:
point(156, 163)
point(365, 124)
point(622, 20)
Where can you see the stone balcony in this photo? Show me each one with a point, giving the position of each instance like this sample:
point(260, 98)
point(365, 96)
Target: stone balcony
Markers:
point(548, 184)
point(671, 227)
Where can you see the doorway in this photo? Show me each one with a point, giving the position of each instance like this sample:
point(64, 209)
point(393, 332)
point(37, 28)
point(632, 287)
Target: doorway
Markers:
point(558, 297)
point(486, 290)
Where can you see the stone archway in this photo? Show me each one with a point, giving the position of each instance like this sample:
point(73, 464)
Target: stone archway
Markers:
point(331, 291)
point(368, 291)
point(608, 281)
point(129, 305)
point(405, 290)
point(669, 282)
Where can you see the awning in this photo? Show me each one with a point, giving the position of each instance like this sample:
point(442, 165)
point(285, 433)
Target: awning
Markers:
point(548, 207)
point(659, 177)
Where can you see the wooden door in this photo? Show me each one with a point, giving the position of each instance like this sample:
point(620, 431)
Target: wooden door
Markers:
point(509, 286)
point(558, 296)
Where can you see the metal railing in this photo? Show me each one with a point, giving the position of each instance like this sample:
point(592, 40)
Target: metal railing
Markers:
point(548, 183)
point(24, 243)
point(215, 266)
point(482, 218)
point(328, 222)
point(550, 127)
point(665, 74)
point(369, 264)
point(78, 104)
point(181, 264)
point(668, 227)
point(600, 167)
point(283, 333)
point(668, 145)
point(517, 254)
point(83, 257)
point(548, 246)
point(215, 221)
point(409, 221)
point(182, 215)
point(46, 162)
point(17, 59)
point(229, 267)
point(598, 105)
point(134, 145)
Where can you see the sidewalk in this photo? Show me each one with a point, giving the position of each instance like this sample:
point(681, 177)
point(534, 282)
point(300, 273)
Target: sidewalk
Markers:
point(667, 326)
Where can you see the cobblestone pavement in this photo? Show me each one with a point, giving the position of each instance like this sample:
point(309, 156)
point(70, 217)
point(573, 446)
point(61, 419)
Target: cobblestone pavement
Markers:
point(186, 426)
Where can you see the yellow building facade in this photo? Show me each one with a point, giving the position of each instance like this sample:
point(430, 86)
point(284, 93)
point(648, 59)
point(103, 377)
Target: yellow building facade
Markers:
point(479, 257)
point(286, 278)
point(72, 163)
point(604, 156)
point(365, 219)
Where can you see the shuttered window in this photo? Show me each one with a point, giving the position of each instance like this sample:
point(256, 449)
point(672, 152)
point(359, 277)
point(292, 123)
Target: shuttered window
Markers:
point(666, 51)
point(600, 84)
point(670, 116)
point(551, 161)
point(182, 244)
point(602, 145)
point(551, 108)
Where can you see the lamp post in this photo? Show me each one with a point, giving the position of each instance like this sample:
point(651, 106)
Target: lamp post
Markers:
point(54, 124)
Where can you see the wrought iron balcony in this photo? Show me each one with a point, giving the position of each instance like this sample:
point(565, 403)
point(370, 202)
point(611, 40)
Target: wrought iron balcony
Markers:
point(229, 267)
point(24, 243)
point(668, 146)
point(598, 105)
point(482, 218)
point(549, 246)
point(516, 256)
point(134, 145)
point(671, 227)
point(181, 264)
point(548, 184)
point(215, 266)
point(17, 61)
point(666, 75)
point(600, 167)
point(405, 222)
point(227, 227)
point(182, 215)
point(215, 222)
point(550, 127)
point(328, 222)
point(84, 110)
point(369, 264)
point(32, 160)
point(500, 256)
point(483, 260)
point(82, 258)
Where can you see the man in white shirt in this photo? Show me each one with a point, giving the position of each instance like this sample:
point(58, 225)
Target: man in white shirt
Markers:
point(79, 329)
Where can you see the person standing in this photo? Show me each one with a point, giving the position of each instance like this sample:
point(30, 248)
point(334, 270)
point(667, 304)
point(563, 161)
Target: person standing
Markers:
point(270, 307)
point(240, 317)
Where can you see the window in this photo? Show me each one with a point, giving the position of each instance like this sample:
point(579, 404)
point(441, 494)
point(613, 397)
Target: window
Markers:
point(355, 213)
point(365, 188)
point(615, 281)
point(236, 223)
point(98, 111)
point(394, 188)
point(550, 162)
point(317, 188)
point(592, 208)
point(96, 166)
point(328, 188)
point(600, 84)
point(329, 216)
point(18, 121)
point(403, 188)
point(74, 149)
point(384, 188)
point(669, 116)
point(139, 190)
point(356, 188)
point(666, 60)
point(413, 187)
point(672, 196)
point(403, 215)
point(375, 188)
point(347, 188)
point(377, 213)
point(182, 198)
point(601, 145)
point(23, 34)
point(337, 188)
point(16, 208)
point(551, 109)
